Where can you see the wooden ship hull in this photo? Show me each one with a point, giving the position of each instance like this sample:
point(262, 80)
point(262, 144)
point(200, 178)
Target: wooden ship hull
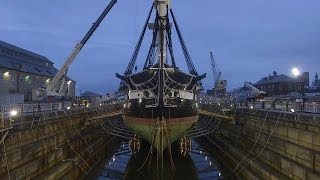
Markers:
point(163, 133)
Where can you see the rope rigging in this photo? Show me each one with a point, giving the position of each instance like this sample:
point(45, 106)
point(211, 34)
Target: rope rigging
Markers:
point(152, 53)
point(150, 59)
point(138, 46)
point(186, 53)
point(169, 40)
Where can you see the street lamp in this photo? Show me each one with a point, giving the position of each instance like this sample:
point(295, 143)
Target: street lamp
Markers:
point(13, 113)
point(295, 72)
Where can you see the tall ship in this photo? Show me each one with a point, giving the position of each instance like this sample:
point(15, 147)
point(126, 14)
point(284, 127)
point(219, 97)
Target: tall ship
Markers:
point(161, 104)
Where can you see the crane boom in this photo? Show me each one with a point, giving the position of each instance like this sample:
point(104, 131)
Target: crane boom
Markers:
point(214, 69)
point(254, 89)
point(53, 88)
point(219, 83)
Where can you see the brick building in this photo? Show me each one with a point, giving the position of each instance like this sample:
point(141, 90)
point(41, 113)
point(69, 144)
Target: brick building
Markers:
point(22, 72)
point(280, 84)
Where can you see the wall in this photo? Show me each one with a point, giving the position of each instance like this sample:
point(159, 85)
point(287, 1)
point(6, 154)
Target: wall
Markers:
point(271, 145)
point(62, 144)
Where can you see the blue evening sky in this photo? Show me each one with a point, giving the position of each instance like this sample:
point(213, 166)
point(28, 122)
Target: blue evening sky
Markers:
point(249, 38)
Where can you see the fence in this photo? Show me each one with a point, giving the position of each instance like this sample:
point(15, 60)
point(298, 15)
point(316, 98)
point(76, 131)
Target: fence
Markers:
point(31, 108)
point(8, 122)
point(310, 107)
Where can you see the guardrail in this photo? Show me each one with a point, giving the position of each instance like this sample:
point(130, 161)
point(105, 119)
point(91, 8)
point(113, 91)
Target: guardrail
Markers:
point(307, 107)
point(36, 107)
point(7, 120)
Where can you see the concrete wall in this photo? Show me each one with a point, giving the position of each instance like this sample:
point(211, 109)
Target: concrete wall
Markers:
point(291, 152)
point(63, 145)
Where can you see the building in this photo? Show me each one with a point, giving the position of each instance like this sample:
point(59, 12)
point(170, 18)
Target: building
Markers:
point(23, 72)
point(280, 84)
point(316, 83)
point(90, 96)
point(305, 78)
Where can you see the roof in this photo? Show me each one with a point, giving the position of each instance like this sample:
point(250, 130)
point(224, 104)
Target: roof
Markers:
point(10, 46)
point(17, 64)
point(13, 64)
point(276, 79)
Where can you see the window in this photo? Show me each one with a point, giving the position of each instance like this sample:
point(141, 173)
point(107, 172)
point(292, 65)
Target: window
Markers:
point(299, 87)
point(10, 52)
point(2, 50)
point(280, 87)
point(37, 69)
point(7, 51)
point(12, 77)
point(49, 72)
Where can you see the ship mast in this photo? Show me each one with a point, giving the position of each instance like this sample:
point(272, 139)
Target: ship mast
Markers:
point(162, 12)
point(162, 9)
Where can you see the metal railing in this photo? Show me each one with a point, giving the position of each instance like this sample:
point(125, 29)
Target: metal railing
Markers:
point(7, 120)
point(35, 107)
point(308, 107)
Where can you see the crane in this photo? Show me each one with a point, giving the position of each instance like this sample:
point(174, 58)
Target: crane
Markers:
point(56, 87)
point(255, 92)
point(219, 83)
point(111, 96)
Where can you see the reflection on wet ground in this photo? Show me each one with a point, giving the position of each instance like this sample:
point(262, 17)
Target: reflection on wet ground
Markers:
point(205, 165)
point(115, 167)
point(196, 165)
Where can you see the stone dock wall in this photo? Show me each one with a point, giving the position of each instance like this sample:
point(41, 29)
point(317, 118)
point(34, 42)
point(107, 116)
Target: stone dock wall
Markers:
point(262, 144)
point(63, 144)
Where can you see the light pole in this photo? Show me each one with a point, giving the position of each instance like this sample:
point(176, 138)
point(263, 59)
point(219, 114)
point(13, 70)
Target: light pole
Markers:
point(13, 113)
point(295, 72)
point(80, 98)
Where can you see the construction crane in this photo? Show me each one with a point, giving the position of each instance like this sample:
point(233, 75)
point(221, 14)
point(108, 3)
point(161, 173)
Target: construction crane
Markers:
point(57, 85)
point(111, 96)
point(255, 92)
point(219, 84)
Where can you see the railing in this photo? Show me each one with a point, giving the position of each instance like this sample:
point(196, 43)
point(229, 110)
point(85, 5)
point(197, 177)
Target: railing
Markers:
point(310, 115)
point(8, 121)
point(31, 108)
point(307, 107)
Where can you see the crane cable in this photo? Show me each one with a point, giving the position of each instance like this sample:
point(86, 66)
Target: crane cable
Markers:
point(256, 141)
point(271, 133)
point(5, 153)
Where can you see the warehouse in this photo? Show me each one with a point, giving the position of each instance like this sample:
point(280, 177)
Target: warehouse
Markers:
point(23, 72)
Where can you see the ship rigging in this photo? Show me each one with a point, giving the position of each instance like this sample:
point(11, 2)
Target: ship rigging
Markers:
point(161, 100)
